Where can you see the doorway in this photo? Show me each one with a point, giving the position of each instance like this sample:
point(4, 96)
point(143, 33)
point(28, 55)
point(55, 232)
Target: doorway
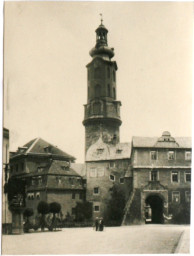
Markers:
point(154, 204)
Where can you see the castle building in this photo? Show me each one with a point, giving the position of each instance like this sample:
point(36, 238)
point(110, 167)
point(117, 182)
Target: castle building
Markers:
point(48, 175)
point(154, 173)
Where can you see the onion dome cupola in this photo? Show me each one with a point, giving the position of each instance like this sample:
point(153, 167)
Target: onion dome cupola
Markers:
point(101, 47)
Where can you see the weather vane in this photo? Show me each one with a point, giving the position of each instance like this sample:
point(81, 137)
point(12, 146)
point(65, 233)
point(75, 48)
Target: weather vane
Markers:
point(101, 18)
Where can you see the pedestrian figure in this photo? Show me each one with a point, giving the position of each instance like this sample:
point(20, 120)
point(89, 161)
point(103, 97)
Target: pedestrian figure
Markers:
point(101, 224)
point(97, 224)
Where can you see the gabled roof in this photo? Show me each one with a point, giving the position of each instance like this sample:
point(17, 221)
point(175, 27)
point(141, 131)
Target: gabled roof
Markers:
point(40, 146)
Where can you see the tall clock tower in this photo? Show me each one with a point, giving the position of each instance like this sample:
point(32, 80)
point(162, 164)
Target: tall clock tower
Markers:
point(102, 111)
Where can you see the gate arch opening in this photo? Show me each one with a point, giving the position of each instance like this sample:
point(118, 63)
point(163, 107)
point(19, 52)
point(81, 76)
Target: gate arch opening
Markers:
point(154, 209)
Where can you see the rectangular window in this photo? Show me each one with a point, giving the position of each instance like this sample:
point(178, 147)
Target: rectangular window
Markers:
point(100, 172)
point(100, 151)
point(119, 151)
point(153, 155)
point(121, 180)
point(176, 197)
point(33, 182)
point(93, 172)
point(187, 196)
point(73, 196)
point(38, 195)
point(96, 190)
point(171, 155)
point(112, 177)
point(40, 169)
point(188, 155)
point(96, 208)
point(80, 196)
point(112, 164)
point(187, 176)
point(174, 176)
point(154, 175)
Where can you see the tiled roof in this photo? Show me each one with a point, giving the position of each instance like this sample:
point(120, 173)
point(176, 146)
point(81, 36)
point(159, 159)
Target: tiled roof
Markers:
point(40, 146)
point(58, 168)
point(102, 151)
point(180, 142)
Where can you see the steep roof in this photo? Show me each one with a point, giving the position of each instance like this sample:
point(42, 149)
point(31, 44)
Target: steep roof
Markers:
point(40, 146)
point(100, 151)
point(58, 168)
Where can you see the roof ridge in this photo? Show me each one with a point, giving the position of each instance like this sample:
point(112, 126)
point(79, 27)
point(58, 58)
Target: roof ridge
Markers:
point(30, 148)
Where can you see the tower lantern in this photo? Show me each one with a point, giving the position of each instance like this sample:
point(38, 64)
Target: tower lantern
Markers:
point(102, 111)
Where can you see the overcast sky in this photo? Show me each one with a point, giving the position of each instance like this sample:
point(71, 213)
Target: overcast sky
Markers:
point(46, 50)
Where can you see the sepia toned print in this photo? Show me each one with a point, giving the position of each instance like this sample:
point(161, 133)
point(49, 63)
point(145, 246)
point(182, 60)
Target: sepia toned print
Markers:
point(98, 178)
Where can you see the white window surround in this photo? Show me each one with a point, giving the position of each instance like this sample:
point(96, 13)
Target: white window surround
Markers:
point(178, 176)
point(153, 153)
point(171, 155)
point(112, 177)
point(175, 197)
point(121, 180)
point(187, 155)
point(188, 196)
point(157, 175)
point(96, 208)
point(96, 191)
point(185, 175)
point(93, 172)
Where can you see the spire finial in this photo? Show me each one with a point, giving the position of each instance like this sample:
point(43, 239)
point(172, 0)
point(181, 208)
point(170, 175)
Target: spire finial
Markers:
point(101, 18)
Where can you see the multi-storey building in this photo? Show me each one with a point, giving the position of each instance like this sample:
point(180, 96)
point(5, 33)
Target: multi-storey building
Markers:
point(48, 175)
point(6, 214)
point(155, 173)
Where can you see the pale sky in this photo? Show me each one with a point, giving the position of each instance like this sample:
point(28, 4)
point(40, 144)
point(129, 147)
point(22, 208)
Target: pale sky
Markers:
point(46, 50)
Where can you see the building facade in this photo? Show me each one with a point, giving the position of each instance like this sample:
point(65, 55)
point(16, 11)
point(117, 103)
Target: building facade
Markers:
point(48, 176)
point(6, 214)
point(154, 173)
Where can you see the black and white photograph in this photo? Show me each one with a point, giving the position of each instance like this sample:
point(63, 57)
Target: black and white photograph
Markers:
point(97, 127)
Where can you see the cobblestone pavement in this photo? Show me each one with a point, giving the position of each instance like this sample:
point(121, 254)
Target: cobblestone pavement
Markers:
point(113, 240)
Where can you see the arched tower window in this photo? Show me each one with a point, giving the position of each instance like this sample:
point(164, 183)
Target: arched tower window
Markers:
point(108, 90)
point(96, 72)
point(108, 72)
point(97, 90)
point(114, 78)
point(114, 93)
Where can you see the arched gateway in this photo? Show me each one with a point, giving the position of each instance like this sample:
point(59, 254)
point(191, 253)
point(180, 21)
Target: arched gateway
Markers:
point(154, 209)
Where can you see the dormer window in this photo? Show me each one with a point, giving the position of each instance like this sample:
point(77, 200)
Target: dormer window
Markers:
point(47, 149)
point(100, 150)
point(59, 181)
point(119, 151)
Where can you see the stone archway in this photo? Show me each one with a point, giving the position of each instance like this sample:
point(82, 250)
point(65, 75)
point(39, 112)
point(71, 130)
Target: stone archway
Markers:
point(155, 202)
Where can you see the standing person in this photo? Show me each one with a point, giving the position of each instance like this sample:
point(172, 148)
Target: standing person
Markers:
point(101, 224)
point(97, 224)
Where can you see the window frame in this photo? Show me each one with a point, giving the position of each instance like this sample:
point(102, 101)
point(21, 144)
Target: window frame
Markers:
point(179, 197)
point(157, 175)
point(112, 176)
point(171, 151)
point(98, 208)
point(94, 193)
point(186, 157)
point(178, 178)
point(120, 180)
point(156, 154)
point(185, 175)
point(186, 196)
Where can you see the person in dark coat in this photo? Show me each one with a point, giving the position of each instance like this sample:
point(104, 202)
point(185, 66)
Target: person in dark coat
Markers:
point(97, 224)
point(101, 224)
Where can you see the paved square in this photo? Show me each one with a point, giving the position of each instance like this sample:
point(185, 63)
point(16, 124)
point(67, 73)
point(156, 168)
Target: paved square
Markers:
point(113, 240)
